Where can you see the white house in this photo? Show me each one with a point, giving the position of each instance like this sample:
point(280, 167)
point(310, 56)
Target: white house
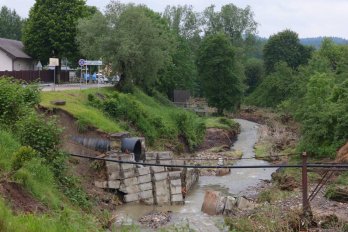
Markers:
point(13, 57)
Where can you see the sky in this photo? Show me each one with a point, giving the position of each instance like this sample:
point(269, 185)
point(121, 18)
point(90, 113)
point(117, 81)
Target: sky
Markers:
point(309, 18)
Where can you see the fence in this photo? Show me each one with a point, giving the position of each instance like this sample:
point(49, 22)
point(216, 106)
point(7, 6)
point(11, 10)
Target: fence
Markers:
point(44, 76)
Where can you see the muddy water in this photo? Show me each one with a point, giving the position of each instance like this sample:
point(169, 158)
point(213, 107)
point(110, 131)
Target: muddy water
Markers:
point(238, 182)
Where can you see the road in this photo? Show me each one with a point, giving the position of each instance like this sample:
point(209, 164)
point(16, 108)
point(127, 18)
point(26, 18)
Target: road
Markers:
point(62, 87)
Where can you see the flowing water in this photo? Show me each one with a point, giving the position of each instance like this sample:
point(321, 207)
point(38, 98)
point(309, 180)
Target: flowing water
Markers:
point(238, 182)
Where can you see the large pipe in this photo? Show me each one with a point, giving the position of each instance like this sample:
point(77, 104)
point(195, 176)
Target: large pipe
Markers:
point(132, 145)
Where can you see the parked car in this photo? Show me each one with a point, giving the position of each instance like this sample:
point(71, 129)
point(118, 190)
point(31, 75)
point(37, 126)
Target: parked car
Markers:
point(102, 79)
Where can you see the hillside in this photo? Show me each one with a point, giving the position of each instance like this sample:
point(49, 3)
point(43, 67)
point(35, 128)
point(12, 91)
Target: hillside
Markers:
point(155, 118)
point(316, 41)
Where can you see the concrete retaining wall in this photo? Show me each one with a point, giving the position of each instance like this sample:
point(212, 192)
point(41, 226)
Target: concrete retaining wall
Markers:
point(149, 185)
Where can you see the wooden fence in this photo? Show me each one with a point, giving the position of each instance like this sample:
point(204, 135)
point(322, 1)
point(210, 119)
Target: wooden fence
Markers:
point(44, 76)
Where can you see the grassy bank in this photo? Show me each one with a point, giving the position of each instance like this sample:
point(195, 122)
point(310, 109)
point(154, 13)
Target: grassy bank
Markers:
point(152, 117)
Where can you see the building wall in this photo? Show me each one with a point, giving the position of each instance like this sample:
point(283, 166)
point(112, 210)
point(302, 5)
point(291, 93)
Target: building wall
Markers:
point(23, 64)
point(5, 62)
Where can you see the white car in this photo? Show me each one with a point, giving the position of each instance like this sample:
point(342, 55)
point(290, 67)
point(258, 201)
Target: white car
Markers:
point(101, 79)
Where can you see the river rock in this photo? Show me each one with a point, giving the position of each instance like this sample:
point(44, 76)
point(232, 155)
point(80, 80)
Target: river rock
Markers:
point(211, 202)
point(230, 205)
point(222, 171)
point(243, 203)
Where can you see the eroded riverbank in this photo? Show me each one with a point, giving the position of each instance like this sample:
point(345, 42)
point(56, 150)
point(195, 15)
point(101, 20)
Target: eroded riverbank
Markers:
point(238, 182)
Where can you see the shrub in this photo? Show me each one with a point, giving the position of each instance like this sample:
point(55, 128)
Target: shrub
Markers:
point(14, 99)
point(22, 155)
point(190, 128)
point(42, 135)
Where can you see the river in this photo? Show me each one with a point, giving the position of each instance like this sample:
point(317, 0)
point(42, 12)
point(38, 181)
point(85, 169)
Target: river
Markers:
point(238, 182)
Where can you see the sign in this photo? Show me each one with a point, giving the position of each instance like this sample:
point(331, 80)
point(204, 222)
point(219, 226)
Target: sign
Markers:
point(39, 65)
point(54, 62)
point(94, 62)
point(82, 62)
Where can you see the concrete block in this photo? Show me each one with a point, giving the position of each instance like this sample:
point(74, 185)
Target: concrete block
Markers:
point(130, 181)
point(160, 176)
point(156, 169)
point(129, 173)
point(131, 197)
point(175, 189)
point(165, 162)
point(101, 184)
point(175, 182)
point(175, 175)
point(145, 194)
point(114, 184)
point(126, 157)
point(177, 198)
point(165, 155)
point(127, 166)
point(161, 187)
point(144, 179)
point(114, 176)
point(162, 199)
point(129, 189)
point(143, 171)
point(112, 166)
point(146, 186)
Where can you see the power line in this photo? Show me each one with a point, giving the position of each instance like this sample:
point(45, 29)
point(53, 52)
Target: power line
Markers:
point(323, 165)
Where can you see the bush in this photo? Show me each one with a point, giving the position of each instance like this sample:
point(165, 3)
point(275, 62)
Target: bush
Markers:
point(8, 145)
point(22, 155)
point(191, 129)
point(14, 99)
point(42, 135)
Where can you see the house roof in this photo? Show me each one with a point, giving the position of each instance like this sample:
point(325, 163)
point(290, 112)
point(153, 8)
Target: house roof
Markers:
point(13, 48)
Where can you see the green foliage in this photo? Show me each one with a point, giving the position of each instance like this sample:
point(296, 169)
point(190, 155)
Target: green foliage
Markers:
point(66, 220)
point(233, 21)
point(285, 47)
point(39, 133)
point(217, 69)
point(181, 73)
point(71, 188)
point(192, 130)
point(22, 155)
point(15, 99)
point(38, 178)
point(254, 72)
point(275, 88)
point(222, 123)
point(133, 39)
point(51, 29)
point(10, 24)
point(8, 145)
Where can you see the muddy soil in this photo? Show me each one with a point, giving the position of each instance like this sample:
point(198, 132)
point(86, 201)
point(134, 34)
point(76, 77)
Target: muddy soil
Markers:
point(19, 199)
point(218, 137)
point(86, 170)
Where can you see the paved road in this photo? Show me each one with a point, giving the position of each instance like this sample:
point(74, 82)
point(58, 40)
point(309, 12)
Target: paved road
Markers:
point(62, 87)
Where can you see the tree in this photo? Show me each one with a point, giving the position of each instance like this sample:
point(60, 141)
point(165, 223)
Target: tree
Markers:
point(235, 22)
point(285, 46)
point(51, 29)
point(135, 40)
point(254, 73)
point(10, 24)
point(217, 69)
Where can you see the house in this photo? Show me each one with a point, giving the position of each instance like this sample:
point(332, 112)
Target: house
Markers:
point(13, 57)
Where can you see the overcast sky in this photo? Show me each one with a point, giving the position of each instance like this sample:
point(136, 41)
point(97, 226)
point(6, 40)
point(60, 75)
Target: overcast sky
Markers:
point(309, 18)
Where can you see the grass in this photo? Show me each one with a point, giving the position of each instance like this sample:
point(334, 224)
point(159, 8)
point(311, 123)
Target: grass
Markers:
point(66, 220)
point(262, 150)
point(266, 218)
point(221, 123)
point(77, 105)
point(8, 145)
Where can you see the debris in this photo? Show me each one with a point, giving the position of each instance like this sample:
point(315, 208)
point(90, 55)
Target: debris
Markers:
point(155, 219)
